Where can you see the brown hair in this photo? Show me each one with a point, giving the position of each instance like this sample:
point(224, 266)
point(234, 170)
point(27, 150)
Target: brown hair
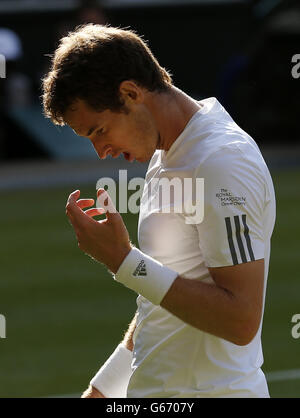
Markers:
point(91, 62)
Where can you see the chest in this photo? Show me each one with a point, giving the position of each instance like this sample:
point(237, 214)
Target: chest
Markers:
point(163, 232)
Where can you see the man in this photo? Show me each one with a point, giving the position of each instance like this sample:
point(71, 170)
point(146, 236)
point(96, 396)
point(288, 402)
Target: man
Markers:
point(201, 280)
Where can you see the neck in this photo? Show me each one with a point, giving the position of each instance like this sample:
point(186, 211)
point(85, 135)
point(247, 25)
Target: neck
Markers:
point(172, 112)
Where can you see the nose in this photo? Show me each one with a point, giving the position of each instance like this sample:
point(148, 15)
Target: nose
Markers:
point(103, 153)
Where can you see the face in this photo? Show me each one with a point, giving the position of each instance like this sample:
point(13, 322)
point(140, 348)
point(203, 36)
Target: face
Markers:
point(132, 134)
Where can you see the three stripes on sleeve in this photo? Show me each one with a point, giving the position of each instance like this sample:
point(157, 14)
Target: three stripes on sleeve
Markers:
point(235, 241)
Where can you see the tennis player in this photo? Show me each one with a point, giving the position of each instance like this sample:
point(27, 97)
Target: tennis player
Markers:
point(201, 281)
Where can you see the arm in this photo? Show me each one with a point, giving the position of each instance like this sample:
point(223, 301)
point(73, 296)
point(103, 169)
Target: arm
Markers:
point(92, 392)
point(128, 337)
point(231, 308)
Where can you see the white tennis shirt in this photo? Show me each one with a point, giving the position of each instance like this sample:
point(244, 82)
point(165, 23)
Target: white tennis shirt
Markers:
point(170, 357)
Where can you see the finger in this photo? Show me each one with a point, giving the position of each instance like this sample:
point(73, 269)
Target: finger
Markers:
point(94, 211)
point(73, 197)
point(85, 203)
point(104, 201)
point(74, 212)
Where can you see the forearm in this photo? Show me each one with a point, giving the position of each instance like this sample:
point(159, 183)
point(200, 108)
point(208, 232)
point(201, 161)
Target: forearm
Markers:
point(128, 337)
point(95, 392)
point(209, 308)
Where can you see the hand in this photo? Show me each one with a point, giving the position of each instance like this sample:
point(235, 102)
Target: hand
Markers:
point(106, 241)
point(92, 392)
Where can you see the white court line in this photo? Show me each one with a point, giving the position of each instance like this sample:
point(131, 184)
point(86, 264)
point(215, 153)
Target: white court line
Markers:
point(292, 374)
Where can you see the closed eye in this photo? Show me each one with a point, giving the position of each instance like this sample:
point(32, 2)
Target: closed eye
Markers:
point(99, 131)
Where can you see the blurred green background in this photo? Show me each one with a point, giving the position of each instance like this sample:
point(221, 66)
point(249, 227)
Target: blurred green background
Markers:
point(65, 314)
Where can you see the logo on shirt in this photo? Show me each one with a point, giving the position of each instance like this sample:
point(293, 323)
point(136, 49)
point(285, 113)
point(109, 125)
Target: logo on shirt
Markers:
point(226, 198)
point(141, 269)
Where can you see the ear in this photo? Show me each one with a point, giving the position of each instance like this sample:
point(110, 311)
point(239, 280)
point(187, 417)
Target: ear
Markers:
point(130, 91)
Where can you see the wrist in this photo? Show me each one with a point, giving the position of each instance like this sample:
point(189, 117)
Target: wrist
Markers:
point(112, 379)
point(145, 275)
point(122, 254)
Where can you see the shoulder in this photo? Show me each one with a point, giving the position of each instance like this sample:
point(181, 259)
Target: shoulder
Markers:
point(234, 156)
point(211, 133)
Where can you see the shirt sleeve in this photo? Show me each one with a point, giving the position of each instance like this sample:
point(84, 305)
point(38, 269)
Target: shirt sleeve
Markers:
point(231, 231)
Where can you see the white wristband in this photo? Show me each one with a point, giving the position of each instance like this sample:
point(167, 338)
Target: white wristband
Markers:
point(113, 377)
point(145, 276)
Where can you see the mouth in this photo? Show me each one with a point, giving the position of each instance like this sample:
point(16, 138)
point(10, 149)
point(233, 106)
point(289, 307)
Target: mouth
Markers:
point(129, 157)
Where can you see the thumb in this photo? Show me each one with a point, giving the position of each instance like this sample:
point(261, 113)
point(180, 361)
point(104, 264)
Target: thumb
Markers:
point(104, 201)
